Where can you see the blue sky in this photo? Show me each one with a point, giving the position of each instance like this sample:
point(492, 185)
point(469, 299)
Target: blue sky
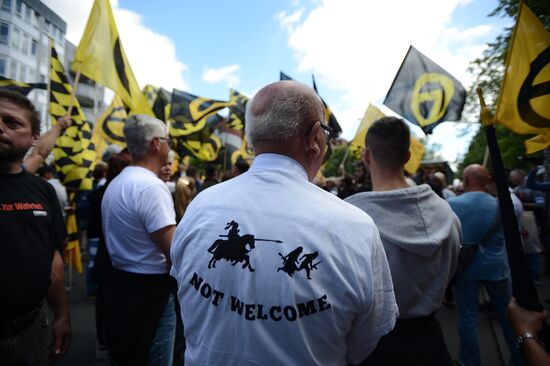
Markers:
point(354, 47)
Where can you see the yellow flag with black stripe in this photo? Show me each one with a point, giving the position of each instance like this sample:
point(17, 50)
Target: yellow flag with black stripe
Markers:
point(18, 86)
point(524, 104)
point(71, 252)
point(159, 101)
point(101, 57)
point(74, 152)
point(244, 152)
point(111, 123)
point(238, 109)
point(190, 114)
point(204, 145)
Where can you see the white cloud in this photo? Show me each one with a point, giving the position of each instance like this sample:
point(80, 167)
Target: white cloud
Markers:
point(142, 45)
point(225, 74)
point(288, 21)
point(355, 47)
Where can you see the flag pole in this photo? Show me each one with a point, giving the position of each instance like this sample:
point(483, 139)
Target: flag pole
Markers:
point(522, 285)
point(74, 89)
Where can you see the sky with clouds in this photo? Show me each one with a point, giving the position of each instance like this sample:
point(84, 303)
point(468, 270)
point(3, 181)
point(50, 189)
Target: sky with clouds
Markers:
point(353, 47)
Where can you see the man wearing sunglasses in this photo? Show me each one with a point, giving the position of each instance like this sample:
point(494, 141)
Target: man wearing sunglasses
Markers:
point(138, 222)
point(304, 279)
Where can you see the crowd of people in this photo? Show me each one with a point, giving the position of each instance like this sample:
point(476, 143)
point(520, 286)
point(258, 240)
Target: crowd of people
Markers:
point(269, 264)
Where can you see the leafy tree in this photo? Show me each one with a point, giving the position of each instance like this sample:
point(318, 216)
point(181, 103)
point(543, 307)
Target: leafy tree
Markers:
point(335, 159)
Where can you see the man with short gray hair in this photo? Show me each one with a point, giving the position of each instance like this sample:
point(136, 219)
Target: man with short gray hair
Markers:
point(138, 222)
point(273, 270)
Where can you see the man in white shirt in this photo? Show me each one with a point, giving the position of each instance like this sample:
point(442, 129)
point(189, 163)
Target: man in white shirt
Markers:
point(273, 270)
point(138, 223)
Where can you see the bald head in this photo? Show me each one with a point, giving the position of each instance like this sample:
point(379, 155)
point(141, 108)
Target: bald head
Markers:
point(476, 177)
point(282, 111)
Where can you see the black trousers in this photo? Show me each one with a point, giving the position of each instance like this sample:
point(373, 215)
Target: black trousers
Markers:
point(414, 341)
point(134, 305)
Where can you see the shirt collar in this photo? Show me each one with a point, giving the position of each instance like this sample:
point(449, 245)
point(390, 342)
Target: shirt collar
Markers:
point(270, 161)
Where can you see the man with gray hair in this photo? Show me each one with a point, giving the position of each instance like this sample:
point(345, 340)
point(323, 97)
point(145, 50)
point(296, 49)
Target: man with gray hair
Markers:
point(138, 222)
point(273, 270)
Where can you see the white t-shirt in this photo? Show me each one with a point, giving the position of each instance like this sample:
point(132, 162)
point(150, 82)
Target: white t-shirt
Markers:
point(136, 204)
point(318, 293)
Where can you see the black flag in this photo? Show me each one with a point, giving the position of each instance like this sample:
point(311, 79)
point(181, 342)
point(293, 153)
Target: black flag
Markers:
point(424, 93)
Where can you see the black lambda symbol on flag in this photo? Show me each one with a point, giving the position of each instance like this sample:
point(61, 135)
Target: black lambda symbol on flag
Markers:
point(529, 91)
point(236, 248)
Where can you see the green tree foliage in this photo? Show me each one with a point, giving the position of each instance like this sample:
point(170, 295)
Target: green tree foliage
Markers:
point(489, 71)
point(511, 146)
point(336, 158)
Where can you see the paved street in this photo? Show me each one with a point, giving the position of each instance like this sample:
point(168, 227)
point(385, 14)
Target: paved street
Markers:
point(493, 347)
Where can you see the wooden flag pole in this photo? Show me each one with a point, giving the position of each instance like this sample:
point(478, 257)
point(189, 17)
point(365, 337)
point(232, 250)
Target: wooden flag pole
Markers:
point(75, 88)
point(522, 285)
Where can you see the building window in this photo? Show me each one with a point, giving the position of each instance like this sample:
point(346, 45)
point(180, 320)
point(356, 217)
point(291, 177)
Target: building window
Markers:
point(18, 7)
point(6, 5)
point(13, 69)
point(25, 45)
point(22, 73)
point(4, 33)
point(15, 38)
point(27, 13)
point(35, 21)
point(34, 47)
point(2, 66)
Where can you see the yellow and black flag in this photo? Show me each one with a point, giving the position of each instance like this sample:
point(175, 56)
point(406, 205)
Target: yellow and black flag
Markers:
point(424, 93)
point(329, 116)
point(159, 101)
point(20, 87)
point(358, 143)
point(101, 57)
point(74, 152)
point(203, 145)
point(190, 114)
point(111, 124)
point(524, 104)
point(237, 110)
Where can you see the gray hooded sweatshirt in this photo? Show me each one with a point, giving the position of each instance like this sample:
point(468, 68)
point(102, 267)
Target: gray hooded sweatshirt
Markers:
point(421, 236)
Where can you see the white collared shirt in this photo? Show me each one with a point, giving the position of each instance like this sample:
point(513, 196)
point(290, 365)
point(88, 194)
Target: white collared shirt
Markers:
point(246, 301)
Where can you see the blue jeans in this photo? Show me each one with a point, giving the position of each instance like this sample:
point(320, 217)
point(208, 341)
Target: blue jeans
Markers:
point(162, 348)
point(467, 300)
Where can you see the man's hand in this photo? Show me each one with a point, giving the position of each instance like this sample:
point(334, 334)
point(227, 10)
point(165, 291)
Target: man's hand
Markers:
point(62, 334)
point(64, 122)
point(524, 320)
point(57, 299)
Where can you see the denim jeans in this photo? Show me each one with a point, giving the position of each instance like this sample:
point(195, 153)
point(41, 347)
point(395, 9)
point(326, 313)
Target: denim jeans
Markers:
point(162, 348)
point(467, 300)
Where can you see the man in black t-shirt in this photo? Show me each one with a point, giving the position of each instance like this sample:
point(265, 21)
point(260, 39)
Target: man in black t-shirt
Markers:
point(32, 232)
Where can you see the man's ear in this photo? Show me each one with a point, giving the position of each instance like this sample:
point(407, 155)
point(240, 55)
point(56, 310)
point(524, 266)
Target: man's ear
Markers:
point(366, 155)
point(34, 139)
point(314, 142)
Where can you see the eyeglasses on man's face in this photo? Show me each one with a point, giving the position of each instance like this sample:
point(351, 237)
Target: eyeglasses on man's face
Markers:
point(168, 140)
point(329, 131)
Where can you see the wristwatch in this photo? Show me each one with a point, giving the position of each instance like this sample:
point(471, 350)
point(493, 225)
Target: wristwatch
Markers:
point(526, 335)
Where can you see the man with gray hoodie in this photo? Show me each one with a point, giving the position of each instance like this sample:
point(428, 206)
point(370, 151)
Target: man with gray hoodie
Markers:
point(421, 236)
